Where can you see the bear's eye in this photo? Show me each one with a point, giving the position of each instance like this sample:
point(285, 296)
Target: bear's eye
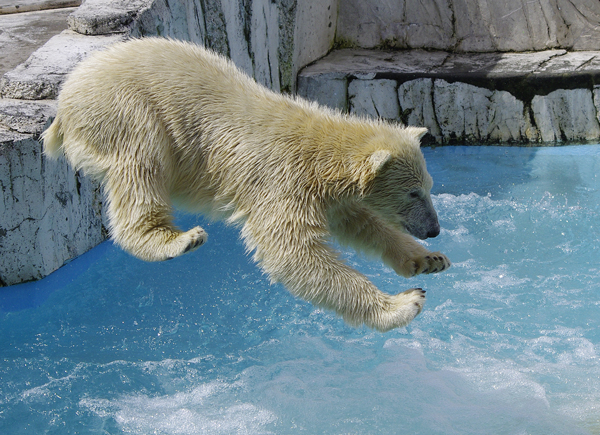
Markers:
point(414, 194)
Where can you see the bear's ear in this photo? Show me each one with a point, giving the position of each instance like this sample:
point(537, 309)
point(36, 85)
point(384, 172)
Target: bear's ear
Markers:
point(378, 159)
point(417, 132)
point(371, 167)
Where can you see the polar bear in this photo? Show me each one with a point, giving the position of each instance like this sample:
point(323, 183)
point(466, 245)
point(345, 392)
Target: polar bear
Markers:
point(163, 123)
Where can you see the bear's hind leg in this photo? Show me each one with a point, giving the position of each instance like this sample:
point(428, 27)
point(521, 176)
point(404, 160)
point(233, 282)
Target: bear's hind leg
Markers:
point(140, 215)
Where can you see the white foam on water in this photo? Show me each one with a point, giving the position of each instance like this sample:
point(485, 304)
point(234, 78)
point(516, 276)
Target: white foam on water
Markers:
point(192, 412)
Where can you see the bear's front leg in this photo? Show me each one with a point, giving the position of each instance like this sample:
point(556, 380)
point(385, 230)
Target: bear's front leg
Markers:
point(311, 270)
point(331, 284)
point(408, 258)
point(359, 228)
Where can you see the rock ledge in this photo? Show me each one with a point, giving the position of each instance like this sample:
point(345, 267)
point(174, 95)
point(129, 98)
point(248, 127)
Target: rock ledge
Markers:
point(547, 96)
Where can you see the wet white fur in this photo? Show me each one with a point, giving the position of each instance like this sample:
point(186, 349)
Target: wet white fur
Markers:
point(166, 123)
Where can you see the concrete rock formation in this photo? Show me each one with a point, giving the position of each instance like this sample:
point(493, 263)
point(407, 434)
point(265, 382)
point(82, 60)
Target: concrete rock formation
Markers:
point(41, 75)
point(470, 25)
point(48, 213)
point(546, 97)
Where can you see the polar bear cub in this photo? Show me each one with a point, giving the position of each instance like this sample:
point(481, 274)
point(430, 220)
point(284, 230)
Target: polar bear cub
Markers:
point(164, 123)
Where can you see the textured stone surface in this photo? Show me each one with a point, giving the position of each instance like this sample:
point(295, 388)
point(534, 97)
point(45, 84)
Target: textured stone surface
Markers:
point(21, 34)
point(270, 40)
point(546, 96)
point(324, 90)
point(566, 115)
point(314, 31)
point(7, 135)
point(237, 25)
point(458, 112)
point(399, 24)
point(41, 75)
point(466, 113)
point(26, 116)
point(471, 25)
point(178, 20)
point(374, 98)
point(415, 98)
point(48, 213)
point(14, 7)
point(343, 63)
point(264, 40)
point(523, 74)
point(102, 17)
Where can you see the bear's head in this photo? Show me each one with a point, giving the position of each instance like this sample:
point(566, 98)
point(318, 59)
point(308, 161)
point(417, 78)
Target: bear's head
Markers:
point(395, 183)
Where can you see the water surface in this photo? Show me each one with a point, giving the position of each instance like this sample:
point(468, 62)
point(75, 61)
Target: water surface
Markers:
point(507, 343)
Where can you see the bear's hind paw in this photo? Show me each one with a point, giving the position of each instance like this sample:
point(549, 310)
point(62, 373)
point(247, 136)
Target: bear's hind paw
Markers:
point(196, 241)
point(186, 242)
point(409, 302)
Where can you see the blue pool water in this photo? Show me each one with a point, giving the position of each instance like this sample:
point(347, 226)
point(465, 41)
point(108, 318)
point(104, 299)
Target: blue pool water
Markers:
point(508, 342)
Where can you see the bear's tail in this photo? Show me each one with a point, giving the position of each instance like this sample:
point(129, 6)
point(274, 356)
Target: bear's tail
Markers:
point(53, 139)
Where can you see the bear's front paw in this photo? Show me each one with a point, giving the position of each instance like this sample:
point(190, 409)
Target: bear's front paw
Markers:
point(403, 309)
point(436, 262)
point(432, 262)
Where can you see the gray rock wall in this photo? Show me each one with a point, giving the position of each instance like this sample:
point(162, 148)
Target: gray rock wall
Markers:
point(462, 113)
point(453, 112)
point(270, 40)
point(48, 213)
point(543, 97)
point(470, 25)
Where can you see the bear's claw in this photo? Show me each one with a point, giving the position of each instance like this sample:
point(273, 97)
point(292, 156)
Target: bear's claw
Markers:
point(194, 244)
point(197, 238)
point(435, 262)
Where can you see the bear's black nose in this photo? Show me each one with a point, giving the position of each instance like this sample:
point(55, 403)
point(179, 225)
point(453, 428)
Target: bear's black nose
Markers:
point(434, 231)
